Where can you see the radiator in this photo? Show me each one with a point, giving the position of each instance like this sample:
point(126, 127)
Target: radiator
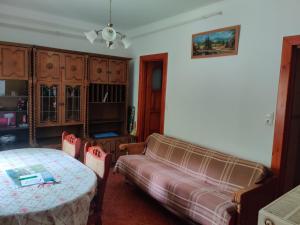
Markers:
point(283, 211)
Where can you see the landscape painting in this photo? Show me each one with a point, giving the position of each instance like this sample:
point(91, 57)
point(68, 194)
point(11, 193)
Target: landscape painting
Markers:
point(215, 43)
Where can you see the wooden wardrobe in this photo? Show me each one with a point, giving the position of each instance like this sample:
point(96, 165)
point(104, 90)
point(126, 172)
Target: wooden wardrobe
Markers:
point(85, 94)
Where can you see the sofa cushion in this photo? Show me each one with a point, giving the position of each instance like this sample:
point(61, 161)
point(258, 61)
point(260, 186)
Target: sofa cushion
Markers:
point(228, 172)
point(203, 202)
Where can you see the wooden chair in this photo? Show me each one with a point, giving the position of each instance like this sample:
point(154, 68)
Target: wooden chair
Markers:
point(99, 161)
point(71, 144)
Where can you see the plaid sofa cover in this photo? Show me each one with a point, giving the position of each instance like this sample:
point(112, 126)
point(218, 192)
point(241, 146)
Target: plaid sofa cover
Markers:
point(196, 182)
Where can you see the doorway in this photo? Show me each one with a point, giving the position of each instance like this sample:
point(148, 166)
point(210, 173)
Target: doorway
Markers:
point(286, 147)
point(152, 94)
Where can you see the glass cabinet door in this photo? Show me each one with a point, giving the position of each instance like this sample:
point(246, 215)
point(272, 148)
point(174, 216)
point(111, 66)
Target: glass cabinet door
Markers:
point(48, 104)
point(73, 103)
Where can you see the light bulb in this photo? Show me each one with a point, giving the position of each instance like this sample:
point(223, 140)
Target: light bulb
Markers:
point(109, 34)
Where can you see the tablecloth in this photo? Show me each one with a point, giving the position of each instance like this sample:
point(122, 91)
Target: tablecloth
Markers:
point(66, 203)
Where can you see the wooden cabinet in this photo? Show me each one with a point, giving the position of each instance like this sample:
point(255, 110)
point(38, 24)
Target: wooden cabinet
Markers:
point(48, 104)
point(98, 70)
point(60, 92)
point(55, 66)
point(117, 72)
point(111, 145)
point(72, 110)
point(107, 102)
point(48, 66)
point(14, 63)
point(59, 104)
point(74, 68)
point(107, 71)
point(15, 115)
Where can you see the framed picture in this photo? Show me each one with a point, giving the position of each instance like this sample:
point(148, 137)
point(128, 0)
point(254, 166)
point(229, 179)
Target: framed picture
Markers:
point(221, 42)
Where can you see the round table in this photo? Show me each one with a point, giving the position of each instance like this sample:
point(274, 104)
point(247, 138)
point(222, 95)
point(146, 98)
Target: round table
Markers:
point(51, 204)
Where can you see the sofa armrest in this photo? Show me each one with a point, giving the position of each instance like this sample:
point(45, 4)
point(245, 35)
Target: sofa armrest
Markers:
point(250, 200)
point(133, 148)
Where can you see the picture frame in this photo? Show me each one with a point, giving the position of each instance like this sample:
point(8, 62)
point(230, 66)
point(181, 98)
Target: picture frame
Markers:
point(216, 43)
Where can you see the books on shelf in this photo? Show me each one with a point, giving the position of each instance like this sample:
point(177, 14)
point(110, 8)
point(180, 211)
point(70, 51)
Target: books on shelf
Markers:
point(31, 175)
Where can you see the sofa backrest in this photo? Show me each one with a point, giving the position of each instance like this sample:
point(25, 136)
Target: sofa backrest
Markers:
point(228, 172)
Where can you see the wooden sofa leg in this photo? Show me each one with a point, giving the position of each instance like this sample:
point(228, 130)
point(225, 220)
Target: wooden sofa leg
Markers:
point(233, 220)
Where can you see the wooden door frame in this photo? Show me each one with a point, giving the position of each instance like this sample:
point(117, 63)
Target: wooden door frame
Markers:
point(142, 86)
point(283, 110)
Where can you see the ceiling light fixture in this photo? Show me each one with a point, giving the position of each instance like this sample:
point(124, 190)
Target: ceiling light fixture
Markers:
point(112, 38)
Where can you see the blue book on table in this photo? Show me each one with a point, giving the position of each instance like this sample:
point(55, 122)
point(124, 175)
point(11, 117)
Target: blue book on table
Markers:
point(16, 173)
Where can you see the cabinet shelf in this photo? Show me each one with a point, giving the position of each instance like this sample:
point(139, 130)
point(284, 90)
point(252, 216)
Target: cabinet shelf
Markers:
point(16, 111)
point(21, 144)
point(10, 96)
point(106, 102)
point(105, 121)
point(3, 129)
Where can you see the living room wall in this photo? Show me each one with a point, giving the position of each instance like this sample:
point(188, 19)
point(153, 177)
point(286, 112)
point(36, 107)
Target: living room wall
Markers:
point(32, 27)
point(221, 103)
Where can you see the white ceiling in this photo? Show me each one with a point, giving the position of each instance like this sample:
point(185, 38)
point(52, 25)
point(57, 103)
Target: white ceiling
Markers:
point(127, 14)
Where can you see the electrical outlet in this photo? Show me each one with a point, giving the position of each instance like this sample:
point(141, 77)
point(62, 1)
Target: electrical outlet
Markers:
point(269, 119)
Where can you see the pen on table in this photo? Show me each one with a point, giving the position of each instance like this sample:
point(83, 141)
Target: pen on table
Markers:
point(26, 178)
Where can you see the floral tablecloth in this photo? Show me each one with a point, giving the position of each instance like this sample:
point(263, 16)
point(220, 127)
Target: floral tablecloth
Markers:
point(65, 203)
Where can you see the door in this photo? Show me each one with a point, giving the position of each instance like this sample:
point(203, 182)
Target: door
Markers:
point(98, 70)
point(49, 65)
point(292, 178)
point(286, 146)
point(153, 98)
point(74, 69)
point(72, 104)
point(48, 104)
point(152, 92)
point(13, 63)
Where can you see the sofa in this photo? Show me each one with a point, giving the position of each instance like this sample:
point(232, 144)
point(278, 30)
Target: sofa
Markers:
point(202, 186)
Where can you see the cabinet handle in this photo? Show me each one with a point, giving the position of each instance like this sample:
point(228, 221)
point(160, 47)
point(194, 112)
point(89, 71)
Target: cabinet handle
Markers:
point(269, 222)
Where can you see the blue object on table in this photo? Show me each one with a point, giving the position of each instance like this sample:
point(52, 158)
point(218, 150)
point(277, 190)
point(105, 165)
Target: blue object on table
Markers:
point(106, 135)
point(16, 173)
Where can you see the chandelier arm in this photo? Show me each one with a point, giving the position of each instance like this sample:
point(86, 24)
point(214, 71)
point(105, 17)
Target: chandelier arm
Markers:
point(119, 33)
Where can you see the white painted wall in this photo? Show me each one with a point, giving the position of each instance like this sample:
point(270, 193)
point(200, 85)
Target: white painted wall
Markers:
point(31, 27)
point(221, 102)
point(217, 102)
